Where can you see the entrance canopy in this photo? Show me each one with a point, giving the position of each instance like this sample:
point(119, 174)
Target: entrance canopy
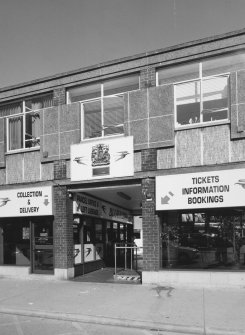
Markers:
point(125, 196)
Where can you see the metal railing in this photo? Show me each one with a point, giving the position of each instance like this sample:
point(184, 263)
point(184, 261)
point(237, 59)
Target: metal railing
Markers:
point(133, 252)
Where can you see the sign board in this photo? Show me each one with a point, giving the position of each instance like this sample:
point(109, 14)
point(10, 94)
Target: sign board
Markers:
point(104, 158)
point(215, 189)
point(78, 257)
point(86, 205)
point(33, 201)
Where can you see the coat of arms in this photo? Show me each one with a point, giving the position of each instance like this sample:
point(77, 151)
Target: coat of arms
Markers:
point(100, 155)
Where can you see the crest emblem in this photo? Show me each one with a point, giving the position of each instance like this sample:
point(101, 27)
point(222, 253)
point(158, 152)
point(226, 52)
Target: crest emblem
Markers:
point(100, 155)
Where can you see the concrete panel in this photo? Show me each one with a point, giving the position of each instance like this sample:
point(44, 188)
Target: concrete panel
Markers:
point(50, 145)
point(2, 176)
point(68, 169)
point(188, 147)
point(49, 120)
point(137, 161)
point(14, 168)
point(126, 109)
point(238, 151)
point(161, 100)
point(241, 86)
point(139, 130)
point(70, 117)
point(47, 171)
point(165, 158)
point(161, 129)
point(2, 154)
point(216, 144)
point(138, 105)
point(32, 166)
point(233, 88)
point(68, 138)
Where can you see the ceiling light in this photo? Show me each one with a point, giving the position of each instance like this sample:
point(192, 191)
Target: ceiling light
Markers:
point(124, 195)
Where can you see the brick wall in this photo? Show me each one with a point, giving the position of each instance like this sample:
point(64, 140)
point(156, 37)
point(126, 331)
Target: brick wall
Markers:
point(60, 169)
point(148, 77)
point(59, 96)
point(63, 231)
point(150, 225)
point(149, 159)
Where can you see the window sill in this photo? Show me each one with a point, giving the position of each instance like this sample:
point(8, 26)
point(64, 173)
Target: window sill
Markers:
point(18, 151)
point(202, 125)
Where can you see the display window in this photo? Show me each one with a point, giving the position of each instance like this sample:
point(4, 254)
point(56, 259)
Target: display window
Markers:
point(210, 239)
point(27, 242)
point(15, 242)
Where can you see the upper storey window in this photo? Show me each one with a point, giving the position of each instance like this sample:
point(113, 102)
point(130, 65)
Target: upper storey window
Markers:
point(102, 105)
point(23, 121)
point(201, 89)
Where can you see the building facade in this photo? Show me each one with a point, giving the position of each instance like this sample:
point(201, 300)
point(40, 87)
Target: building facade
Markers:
point(158, 136)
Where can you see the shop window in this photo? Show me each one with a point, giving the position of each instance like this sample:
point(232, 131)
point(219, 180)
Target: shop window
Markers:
point(204, 240)
point(102, 105)
point(14, 243)
point(23, 121)
point(98, 231)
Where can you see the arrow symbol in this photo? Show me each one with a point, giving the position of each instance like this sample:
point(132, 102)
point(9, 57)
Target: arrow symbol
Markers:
point(46, 202)
point(165, 200)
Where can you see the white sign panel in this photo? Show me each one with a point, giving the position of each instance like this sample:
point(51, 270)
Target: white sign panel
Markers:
point(33, 201)
point(104, 158)
point(201, 190)
point(86, 205)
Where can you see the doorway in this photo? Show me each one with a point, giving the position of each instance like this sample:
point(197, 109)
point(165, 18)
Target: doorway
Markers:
point(42, 246)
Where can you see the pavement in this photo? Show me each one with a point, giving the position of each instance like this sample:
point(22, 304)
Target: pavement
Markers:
point(98, 298)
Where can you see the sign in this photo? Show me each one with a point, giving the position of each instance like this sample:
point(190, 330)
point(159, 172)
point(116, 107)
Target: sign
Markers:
point(104, 158)
point(86, 205)
point(33, 201)
point(78, 257)
point(89, 252)
point(201, 190)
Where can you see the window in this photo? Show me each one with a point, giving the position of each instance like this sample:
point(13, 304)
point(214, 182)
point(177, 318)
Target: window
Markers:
point(210, 239)
point(102, 105)
point(23, 122)
point(201, 89)
point(202, 100)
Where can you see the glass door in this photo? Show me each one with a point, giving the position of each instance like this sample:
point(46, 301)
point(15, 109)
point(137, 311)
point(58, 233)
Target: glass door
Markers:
point(42, 246)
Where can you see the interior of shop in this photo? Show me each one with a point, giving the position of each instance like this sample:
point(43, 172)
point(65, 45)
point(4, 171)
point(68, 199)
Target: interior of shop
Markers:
point(206, 239)
point(27, 242)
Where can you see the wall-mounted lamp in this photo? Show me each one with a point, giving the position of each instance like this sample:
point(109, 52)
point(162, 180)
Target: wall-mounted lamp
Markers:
point(70, 195)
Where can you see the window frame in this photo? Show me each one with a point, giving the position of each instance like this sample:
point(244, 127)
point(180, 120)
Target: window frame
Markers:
point(25, 111)
point(200, 79)
point(101, 99)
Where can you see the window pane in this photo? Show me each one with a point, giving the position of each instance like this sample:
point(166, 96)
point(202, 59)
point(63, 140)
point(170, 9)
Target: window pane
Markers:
point(178, 73)
point(15, 133)
point(120, 85)
point(82, 93)
point(10, 109)
point(215, 98)
point(188, 102)
point(113, 115)
point(32, 135)
point(35, 103)
point(92, 119)
point(224, 64)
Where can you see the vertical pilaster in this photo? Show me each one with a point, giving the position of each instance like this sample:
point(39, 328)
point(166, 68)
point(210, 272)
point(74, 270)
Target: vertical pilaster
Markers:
point(151, 229)
point(63, 233)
